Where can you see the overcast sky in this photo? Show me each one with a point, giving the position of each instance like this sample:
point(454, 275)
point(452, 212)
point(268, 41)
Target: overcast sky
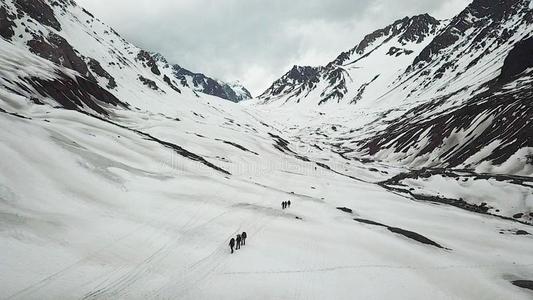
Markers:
point(255, 41)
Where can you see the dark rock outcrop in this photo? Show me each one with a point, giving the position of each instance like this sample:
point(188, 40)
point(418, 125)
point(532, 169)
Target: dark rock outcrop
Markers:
point(98, 70)
point(56, 49)
point(169, 82)
point(210, 86)
point(39, 11)
point(519, 59)
point(76, 94)
point(6, 24)
point(148, 61)
point(408, 234)
point(525, 284)
point(345, 209)
point(298, 80)
point(149, 83)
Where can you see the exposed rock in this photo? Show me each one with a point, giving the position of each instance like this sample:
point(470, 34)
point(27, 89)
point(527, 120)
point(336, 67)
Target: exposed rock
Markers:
point(210, 86)
point(518, 215)
point(98, 70)
point(345, 209)
point(525, 284)
point(76, 94)
point(297, 80)
point(169, 82)
point(56, 49)
point(39, 11)
point(237, 146)
point(149, 61)
point(149, 83)
point(6, 24)
point(281, 144)
point(409, 234)
point(519, 59)
point(394, 51)
point(522, 232)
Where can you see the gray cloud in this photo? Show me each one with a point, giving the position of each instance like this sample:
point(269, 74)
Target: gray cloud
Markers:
point(255, 41)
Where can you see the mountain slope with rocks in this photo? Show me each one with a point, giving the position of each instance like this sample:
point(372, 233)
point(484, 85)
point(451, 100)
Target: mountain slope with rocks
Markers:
point(451, 93)
point(69, 35)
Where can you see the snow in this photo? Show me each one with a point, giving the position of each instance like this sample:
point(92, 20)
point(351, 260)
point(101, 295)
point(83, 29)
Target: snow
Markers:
point(99, 210)
point(123, 217)
point(518, 199)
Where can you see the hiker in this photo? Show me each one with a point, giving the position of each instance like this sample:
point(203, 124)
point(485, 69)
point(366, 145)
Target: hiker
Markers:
point(289, 203)
point(238, 242)
point(243, 237)
point(231, 244)
point(283, 205)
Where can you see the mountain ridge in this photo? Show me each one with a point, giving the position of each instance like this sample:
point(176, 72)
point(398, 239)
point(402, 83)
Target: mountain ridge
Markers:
point(59, 30)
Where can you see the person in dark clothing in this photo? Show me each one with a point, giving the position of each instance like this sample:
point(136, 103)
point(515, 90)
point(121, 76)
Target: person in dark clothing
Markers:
point(283, 205)
point(238, 246)
point(289, 203)
point(243, 237)
point(231, 244)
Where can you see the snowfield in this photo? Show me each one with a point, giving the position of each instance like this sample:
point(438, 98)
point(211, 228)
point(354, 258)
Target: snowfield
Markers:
point(121, 216)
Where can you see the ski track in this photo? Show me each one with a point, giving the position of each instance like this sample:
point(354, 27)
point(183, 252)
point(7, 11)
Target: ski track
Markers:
point(49, 279)
point(378, 266)
point(115, 288)
point(201, 270)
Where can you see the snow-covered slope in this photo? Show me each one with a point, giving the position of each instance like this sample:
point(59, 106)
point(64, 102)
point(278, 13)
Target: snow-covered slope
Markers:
point(119, 182)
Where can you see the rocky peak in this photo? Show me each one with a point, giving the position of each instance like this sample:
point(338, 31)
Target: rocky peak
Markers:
point(417, 28)
point(295, 81)
point(207, 85)
point(302, 73)
point(487, 18)
point(149, 61)
point(409, 29)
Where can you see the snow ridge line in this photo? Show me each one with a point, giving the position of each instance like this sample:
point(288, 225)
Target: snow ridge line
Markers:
point(181, 151)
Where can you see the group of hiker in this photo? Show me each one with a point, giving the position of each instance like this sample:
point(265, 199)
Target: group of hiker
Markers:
point(240, 240)
point(285, 204)
point(237, 242)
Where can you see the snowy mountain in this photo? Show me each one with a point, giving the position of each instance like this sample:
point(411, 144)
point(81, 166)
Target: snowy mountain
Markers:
point(199, 82)
point(67, 34)
point(452, 93)
point(409, 170)
point(363, 71)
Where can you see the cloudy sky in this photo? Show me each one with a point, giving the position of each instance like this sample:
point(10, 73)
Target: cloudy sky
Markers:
point(255, 41)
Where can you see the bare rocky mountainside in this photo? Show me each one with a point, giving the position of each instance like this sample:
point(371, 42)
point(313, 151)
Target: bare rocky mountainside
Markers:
point(408, 162)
